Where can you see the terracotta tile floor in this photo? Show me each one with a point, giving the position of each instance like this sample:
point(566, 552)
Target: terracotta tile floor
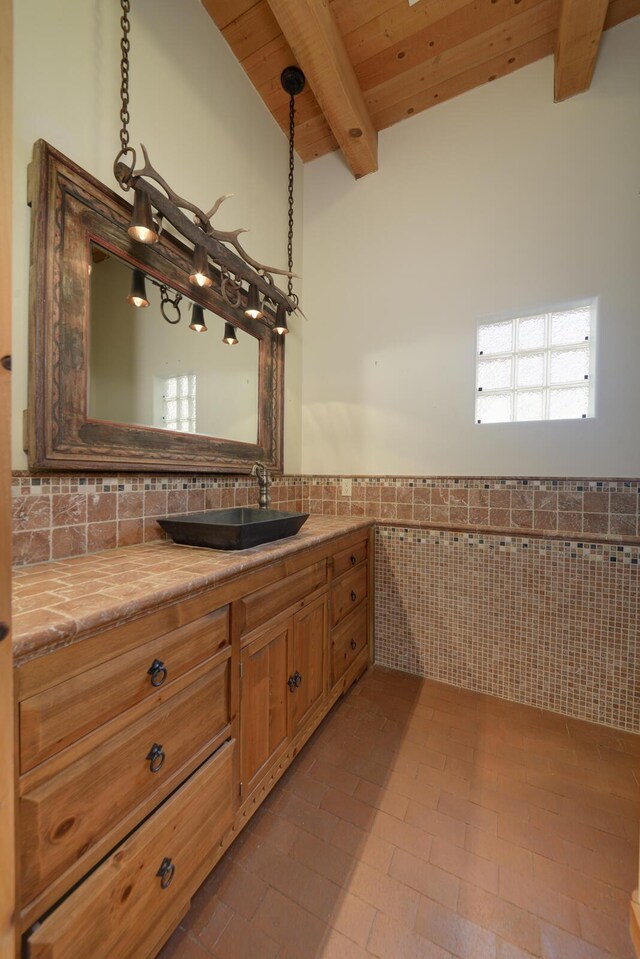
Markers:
point(425, 822)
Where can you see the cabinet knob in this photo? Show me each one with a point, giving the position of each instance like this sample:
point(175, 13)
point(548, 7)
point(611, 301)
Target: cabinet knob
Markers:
point(156, 758)
point(353, 644)
point(166, 872)
point(158, 672)
point(294, 681)
point(353, 596)
point(353, 560)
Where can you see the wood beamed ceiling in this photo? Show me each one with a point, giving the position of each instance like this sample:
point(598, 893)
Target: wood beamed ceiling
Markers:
point(371, 63)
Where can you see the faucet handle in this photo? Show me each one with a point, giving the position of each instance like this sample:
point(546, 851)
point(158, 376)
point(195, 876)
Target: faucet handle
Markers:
point(262, 472)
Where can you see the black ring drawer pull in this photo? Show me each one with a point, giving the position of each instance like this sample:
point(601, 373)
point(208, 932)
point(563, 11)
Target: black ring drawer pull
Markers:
point(353, 644)
point(156, 758)
point(166, 873)
point(353, 596)
point(158, 672)
point(353, 560)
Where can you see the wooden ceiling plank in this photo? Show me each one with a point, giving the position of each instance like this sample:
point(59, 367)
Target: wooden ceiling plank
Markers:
point(579, 33)
point(222, 12)
point(619, 11)
point(500, 66)
point(307, 108)
point(322, 147)
point(459, 27)
point(313, 35)
point(252, 31)
point(315, 128)
point(265, 66)
point(534, 23)
point(396, 25)
point(352, 14)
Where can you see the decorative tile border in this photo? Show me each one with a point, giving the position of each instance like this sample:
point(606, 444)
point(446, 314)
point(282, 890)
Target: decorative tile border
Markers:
point(599, 552)
point(549, 624)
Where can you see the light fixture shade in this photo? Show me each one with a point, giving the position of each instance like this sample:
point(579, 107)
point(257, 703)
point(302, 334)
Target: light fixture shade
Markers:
point(197, 324)
point(142, 228)
point(138, 294)
point(200, 274)
point(281, 325)
point(252, 308)
point(229, 335)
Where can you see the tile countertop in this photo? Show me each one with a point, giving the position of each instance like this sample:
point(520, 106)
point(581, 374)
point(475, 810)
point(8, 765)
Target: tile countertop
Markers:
point(57, 603)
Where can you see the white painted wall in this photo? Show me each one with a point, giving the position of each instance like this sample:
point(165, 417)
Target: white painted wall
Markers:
point(207, 131)
point(499, 201)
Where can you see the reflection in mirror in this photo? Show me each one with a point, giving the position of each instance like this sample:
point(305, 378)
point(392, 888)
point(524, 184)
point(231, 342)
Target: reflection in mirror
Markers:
point(146, 371)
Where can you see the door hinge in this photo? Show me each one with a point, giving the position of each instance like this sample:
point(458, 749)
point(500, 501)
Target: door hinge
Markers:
point(241, 670)
point(241, 789)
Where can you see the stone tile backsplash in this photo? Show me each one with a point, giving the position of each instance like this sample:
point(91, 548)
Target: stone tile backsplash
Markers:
point(589, 507)
point(55, 517)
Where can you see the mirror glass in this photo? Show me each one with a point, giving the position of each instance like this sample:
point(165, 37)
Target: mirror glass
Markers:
point(143, 371)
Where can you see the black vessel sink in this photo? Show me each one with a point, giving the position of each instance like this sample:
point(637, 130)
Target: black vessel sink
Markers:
point(237, 528)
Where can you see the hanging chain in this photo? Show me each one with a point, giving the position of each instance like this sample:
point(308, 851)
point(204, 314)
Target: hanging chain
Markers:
point(124, 76)
point(292, 113)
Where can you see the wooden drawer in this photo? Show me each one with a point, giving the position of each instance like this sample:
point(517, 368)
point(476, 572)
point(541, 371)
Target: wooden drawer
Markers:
point(121, 910)
point(348, 642)
point(60, 715)
point(260, 606)
point(348, 558)
point(347, 592)
point(64, 818)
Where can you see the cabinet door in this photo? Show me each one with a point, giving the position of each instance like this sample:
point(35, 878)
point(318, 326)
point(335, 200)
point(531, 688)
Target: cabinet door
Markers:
point(307, 661)
point(264, 706)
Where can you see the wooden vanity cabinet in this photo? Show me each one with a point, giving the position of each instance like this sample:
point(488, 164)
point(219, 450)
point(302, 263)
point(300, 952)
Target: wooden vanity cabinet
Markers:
point(143, 755)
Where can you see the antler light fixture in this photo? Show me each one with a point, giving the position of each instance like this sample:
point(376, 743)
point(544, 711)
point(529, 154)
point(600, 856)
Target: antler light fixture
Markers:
point(234, 267)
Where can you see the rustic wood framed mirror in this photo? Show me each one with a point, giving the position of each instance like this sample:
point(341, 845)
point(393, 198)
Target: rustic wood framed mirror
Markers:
point(113, 387)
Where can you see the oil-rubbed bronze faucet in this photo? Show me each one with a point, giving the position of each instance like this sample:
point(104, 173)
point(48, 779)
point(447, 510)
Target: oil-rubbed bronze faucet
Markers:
point(264, 482)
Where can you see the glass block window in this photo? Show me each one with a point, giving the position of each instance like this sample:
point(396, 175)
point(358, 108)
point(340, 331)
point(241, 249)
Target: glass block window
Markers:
point(536, 367)
point(179, 403)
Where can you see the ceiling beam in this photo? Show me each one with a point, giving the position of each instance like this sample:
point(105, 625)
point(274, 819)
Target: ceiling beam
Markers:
point(579, 32)
point(312, 33)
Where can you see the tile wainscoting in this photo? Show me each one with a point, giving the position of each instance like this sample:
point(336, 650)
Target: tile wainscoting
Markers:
point(551, 624)
point(527, 589)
